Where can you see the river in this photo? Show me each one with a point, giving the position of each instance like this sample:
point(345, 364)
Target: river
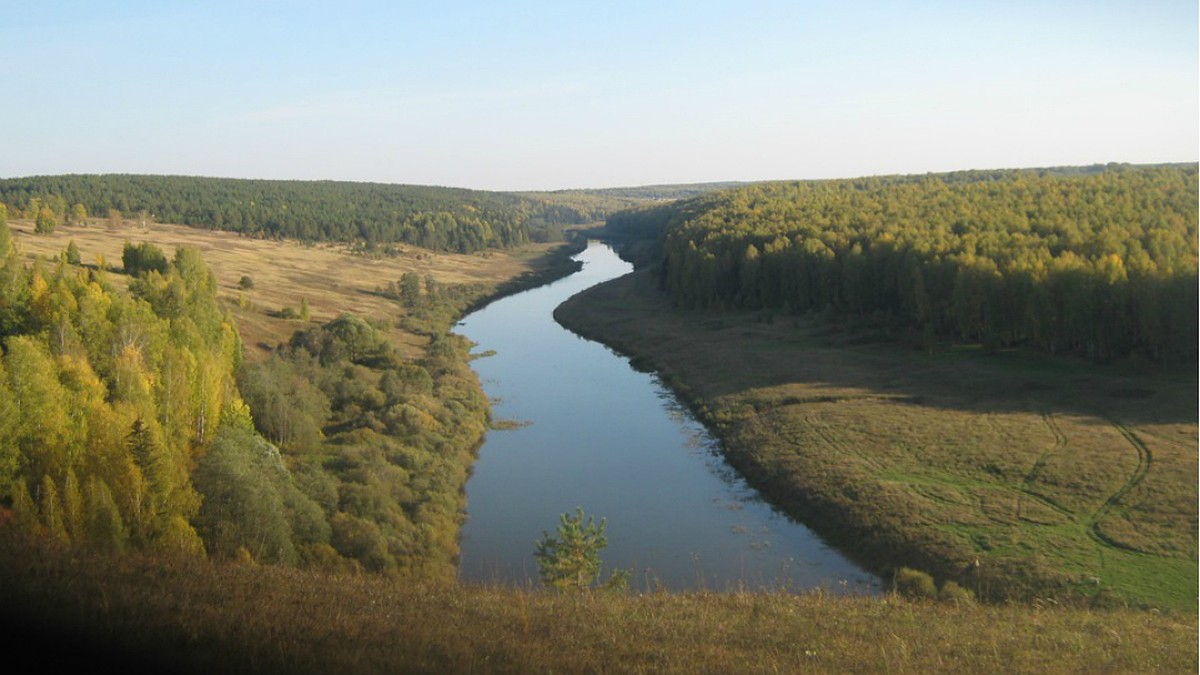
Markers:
point(589, 431)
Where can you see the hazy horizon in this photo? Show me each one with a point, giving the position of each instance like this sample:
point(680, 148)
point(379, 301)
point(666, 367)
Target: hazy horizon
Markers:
point(534, 96)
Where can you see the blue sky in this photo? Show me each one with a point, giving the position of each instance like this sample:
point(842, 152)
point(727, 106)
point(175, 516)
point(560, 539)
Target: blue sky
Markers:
point(551, 95)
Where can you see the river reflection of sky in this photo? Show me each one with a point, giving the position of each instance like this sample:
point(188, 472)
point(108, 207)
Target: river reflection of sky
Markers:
point(595, 433)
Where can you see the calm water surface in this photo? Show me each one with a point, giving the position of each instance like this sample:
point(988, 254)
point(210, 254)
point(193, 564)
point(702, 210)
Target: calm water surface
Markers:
point(599, 435)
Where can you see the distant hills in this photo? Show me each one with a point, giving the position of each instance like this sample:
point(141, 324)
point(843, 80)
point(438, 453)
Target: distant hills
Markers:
point(439, 218)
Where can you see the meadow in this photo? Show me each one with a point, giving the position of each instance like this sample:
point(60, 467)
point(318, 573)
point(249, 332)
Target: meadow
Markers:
point(334, 278)
point(1018, 476)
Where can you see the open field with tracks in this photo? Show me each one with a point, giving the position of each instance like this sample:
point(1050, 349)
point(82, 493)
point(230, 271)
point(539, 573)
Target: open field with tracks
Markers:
point(1018, 476)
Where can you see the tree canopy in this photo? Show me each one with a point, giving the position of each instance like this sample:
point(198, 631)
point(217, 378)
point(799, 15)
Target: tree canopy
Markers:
point(1099, 261)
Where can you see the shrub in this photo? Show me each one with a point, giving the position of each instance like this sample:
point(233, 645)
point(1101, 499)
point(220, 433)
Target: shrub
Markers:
point(72, 253)
point(952, 592)
point(144, 257)
point(914, 584)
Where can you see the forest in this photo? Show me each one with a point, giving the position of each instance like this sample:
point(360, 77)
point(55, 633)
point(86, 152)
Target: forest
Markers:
point(129, 422)
point(1099, 262)
point(443, 219)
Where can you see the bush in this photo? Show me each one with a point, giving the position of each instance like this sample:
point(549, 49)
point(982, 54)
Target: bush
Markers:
point(142, 258)
point(914, 584)
point(72, 253)
point(952, 592)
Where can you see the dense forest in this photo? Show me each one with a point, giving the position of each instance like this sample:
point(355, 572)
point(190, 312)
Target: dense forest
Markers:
point(444, 219)
point(128, 421)
point(107, 399)
point(1100, 262)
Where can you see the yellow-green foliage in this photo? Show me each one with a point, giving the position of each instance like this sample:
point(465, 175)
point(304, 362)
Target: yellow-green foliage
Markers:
point(1096, 262)
point(915, 583)
point(383, 443)
point(111, 397)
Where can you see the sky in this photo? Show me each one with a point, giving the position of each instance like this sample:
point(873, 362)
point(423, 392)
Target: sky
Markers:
point(541, 95)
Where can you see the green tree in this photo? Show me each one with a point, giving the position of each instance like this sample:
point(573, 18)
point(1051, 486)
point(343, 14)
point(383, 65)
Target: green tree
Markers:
point(144, 257)
point(72, 253)
point(45, 221)
point(410, 289)
point(104, 526)
point(244, 485)
point(288, 408)
point(10, 455)
point(79, 215)
point(570, 560)
point(5, 234)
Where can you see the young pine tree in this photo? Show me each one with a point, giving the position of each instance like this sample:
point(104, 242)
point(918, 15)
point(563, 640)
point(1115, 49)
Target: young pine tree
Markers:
point(571, 560)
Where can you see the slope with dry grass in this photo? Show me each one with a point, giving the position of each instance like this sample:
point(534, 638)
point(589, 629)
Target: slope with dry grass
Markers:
point(138, 614)
point(331, 277)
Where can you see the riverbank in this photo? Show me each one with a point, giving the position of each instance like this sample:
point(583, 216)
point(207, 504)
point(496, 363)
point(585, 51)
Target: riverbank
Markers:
point(1016, 476)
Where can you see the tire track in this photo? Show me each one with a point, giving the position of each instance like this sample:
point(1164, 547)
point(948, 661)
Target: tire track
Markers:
point(1026, 488)
point(822, 428)
point(1060, 442)
point(1139, 472)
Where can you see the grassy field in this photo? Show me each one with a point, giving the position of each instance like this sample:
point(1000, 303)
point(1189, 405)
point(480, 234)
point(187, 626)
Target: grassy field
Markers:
point(332, 278)
point(141, 616)
point(1018, 476)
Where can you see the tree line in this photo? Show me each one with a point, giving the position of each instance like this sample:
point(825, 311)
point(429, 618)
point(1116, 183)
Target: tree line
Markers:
point(445, 219)
point(1098, 261)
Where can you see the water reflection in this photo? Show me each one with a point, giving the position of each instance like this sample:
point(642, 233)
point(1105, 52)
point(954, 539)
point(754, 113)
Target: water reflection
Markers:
point(592, 432)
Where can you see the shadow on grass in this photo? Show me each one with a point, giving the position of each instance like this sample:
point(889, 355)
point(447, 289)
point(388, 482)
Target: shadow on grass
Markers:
point(756, 350)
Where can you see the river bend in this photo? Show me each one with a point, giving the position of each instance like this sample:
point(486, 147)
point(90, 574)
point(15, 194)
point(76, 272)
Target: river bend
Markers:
point(589, 431)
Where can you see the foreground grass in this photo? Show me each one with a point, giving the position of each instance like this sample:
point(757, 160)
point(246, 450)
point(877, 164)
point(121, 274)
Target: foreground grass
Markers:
point(75, 610)
point(1018, 476)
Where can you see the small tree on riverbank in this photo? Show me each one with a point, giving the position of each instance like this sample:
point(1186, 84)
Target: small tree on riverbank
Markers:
point(571, 560)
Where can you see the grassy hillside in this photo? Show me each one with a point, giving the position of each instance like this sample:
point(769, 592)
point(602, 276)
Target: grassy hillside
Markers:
point(138, 615)
point(1017, 475)
point(334, 278)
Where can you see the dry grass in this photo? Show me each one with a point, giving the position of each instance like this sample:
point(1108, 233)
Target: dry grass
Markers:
point(1059, 477)
point(329, 276)
point(197, 617)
